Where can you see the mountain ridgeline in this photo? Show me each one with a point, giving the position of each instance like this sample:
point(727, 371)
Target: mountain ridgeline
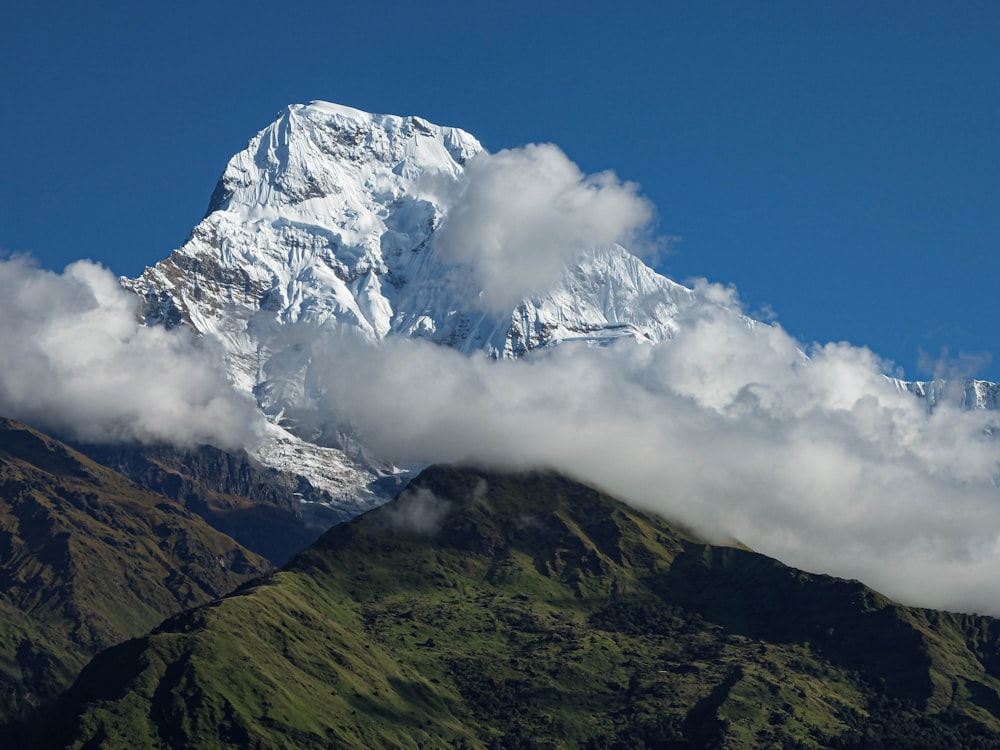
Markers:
point(492, 610)
point(263, 509)
point(89, 559)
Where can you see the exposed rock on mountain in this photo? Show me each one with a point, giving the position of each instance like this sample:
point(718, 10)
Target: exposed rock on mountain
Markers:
point(263, 509)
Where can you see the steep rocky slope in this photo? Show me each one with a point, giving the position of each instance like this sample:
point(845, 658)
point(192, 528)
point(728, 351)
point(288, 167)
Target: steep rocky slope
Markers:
point(275, 514)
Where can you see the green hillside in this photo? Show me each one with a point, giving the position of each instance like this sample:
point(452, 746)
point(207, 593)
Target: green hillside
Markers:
point(490, 610)
point(88, 560)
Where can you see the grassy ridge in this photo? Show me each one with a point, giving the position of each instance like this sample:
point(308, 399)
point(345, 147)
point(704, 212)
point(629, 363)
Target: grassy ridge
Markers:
point(87, 560)
point(495, 610)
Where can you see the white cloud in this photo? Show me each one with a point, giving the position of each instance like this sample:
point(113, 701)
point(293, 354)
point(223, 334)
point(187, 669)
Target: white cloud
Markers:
point(728, 428)
point(520, 215)
point(417, 511)
point(963, 366)
point(76, 361)
point(821, 463)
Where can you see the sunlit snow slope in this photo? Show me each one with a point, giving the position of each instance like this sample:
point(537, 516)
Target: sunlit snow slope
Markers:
point(327, 220)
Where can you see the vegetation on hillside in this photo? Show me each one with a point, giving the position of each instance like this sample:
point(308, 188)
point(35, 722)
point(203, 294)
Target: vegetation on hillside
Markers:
point(88, 560)
point(487, 610)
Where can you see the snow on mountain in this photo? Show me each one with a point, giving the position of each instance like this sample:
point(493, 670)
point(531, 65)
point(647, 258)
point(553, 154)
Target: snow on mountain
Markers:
point(326, 221)
point(967, 394)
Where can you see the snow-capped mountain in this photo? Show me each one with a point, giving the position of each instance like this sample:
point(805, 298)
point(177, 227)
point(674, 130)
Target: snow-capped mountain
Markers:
point(326, 220)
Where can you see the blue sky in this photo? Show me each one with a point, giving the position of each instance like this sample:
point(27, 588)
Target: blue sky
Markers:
point(837, 162)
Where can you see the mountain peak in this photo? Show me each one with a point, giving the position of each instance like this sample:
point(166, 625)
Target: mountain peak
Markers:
point(331, 108)
point(483, 512)
point(328, 219)
point(382, 226)
point(320, 159)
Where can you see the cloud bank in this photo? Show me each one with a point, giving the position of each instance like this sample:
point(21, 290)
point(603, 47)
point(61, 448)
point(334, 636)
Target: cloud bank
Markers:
point(520, 215)
point(728, 428)
point(77, 362)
